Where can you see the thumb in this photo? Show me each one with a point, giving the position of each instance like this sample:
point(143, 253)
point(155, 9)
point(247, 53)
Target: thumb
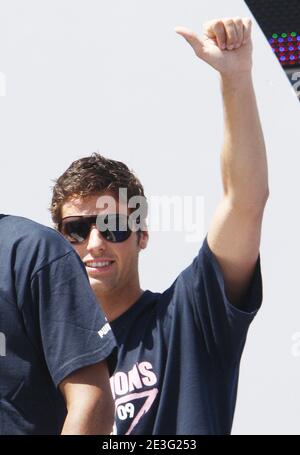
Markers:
point(192, 38)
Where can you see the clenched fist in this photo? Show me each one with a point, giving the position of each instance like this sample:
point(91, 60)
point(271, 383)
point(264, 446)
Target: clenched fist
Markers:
point(226, 44)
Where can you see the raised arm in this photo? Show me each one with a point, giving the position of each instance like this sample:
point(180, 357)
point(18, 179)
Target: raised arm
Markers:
point(235, 231)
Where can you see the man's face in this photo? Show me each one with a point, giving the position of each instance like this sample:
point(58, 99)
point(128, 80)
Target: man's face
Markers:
point(110, 266)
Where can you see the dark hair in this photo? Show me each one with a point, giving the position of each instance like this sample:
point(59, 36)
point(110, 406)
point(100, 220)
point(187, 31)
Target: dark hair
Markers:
point(92, 175)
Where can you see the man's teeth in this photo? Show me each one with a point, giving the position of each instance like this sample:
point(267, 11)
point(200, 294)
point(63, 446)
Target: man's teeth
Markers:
point(98, 264)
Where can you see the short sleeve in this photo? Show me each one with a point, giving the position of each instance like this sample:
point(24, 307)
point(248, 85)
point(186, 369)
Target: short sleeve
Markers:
point(74, 332)
point(223, 326)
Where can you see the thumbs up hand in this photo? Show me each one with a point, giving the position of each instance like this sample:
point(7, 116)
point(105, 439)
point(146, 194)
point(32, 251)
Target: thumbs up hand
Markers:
point(226, 44)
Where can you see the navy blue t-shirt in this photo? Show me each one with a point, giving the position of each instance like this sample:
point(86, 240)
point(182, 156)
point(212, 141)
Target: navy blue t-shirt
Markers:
point(179, 354)
point(49, 324)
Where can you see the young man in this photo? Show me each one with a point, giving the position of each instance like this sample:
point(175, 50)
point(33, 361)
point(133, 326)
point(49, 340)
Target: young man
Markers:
point(54, 376)
point(179, 352)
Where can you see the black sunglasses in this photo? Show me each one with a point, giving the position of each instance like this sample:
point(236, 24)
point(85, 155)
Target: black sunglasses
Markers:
point(113, 227)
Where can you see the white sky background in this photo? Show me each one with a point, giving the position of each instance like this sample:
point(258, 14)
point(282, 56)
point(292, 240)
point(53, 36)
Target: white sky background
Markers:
point(113, 76)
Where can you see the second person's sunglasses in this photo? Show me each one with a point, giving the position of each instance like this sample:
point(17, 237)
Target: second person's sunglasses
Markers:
point(112, 227)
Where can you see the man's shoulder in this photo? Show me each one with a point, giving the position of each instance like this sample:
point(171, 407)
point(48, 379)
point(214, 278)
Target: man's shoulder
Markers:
point(31, 238)
point(24, 226)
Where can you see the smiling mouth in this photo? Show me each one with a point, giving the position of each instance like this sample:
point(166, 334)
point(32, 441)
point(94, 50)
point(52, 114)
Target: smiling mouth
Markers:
point(98, 266)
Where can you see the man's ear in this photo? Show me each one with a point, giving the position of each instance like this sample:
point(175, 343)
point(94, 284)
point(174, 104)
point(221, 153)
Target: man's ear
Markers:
point(143, 237)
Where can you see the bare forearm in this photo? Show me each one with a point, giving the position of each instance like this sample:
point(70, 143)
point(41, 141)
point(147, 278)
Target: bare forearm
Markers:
point(89, 401)
point(80, 421)
point(244, 162)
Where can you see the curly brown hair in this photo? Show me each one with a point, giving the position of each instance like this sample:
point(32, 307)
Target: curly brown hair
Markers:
point(93, 175)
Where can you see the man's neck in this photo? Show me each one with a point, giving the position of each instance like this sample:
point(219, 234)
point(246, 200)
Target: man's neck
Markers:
point(117, 302)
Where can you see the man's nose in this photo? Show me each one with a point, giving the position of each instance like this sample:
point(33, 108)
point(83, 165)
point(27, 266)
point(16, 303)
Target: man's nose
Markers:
point(95, 240)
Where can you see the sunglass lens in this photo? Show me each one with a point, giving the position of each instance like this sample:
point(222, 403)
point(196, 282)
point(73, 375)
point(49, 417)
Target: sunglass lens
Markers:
point(114, 227)
point(77, 231)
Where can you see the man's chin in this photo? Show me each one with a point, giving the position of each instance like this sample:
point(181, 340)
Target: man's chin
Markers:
point(99, 286)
